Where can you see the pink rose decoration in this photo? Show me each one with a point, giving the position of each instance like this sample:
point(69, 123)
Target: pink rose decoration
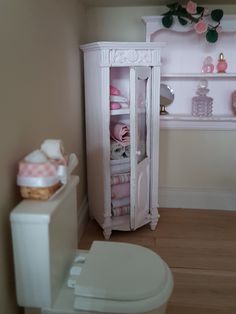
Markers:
point(200, 27)
point(191, 7)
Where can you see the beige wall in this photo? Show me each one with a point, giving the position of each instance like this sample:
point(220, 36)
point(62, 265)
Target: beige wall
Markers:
point(189, 159)
point(118, 23)
point(40, 98)
point(198, 159)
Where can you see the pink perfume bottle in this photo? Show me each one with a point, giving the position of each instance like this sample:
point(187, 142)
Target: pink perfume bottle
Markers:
point(222, 64)
point(208, 66)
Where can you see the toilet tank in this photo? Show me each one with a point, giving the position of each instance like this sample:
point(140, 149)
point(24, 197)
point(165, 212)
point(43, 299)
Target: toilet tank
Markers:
point(44, 235)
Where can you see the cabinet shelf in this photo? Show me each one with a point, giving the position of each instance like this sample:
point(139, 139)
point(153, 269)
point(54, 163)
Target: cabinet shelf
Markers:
point(125, 111)
point(116, 112)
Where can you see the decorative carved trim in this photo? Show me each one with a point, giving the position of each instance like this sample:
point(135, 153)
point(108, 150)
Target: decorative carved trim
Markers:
point(131, 57)
point(154, 24)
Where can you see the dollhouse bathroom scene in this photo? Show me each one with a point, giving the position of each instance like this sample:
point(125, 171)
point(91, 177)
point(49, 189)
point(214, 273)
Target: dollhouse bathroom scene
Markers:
point(118, 157)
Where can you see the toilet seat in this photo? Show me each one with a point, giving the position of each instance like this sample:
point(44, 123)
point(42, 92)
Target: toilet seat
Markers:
point(121, 278)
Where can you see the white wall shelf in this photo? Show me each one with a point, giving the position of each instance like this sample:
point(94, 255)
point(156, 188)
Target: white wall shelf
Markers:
point(204, 123)
point(154, 24)
point(182, 62)
point(199, 75)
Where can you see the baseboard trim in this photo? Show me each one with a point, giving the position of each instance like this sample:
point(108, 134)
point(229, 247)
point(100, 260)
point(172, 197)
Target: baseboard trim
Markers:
point(202, 198)
point(83, 217)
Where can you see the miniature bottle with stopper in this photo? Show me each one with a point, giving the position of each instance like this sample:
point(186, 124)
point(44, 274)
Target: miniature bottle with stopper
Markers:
point(222, 64)
point(202, 104)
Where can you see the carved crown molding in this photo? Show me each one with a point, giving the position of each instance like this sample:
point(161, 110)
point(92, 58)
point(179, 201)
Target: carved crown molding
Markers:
point(130, 57)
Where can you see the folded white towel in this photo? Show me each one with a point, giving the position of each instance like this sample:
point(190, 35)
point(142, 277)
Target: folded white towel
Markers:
point(124, 105)
point(117, 150)
point(54, 149)
point(120, 202)
point(117, 98)
point(37, 156)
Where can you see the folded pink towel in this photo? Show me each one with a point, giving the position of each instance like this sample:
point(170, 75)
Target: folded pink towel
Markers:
point(114, 91)
point(120, 133)
point(121, 211)
point(120, 178)
point(120, 190)
point(115, 105)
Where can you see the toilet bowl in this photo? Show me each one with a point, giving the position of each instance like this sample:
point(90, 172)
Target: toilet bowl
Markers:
point(53, 277)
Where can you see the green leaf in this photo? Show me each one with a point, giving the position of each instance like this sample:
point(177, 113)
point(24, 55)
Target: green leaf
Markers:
point(211, 36)
point(200, 10)
point(182, 21)
point(217, 15)
point(167, 21)
point(179, 10)
point(183, 11)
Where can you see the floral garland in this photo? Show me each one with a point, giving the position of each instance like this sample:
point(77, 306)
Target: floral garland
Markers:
point(195, 15)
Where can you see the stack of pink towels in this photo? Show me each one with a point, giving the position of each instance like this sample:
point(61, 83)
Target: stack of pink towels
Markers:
point(120, 140)
point(120, 194)
point(117, 101)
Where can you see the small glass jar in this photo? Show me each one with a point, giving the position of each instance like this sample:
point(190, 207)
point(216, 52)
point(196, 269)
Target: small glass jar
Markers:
point(208, 66)
point(202, 105)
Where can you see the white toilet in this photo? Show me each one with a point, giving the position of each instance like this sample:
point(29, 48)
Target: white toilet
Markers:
point(53, 277)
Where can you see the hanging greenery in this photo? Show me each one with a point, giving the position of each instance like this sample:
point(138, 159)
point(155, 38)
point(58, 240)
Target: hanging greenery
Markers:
point(196, 15)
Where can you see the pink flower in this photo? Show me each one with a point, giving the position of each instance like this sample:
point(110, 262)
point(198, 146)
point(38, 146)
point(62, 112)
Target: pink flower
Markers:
point(200, 27)
point(191, 7)
point(219, 29)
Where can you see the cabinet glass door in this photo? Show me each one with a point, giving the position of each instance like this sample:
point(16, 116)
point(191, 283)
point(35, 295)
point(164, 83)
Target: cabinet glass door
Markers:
point(140, 144)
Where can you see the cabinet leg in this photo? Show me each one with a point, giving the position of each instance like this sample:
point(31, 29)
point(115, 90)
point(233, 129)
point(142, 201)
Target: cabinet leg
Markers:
point(107, 233)
point(154, 218)
point(107, 228)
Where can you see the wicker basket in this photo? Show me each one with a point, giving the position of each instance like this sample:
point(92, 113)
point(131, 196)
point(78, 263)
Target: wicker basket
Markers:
point(39, 193)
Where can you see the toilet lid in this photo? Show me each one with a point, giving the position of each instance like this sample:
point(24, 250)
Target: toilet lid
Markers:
point(121, 271)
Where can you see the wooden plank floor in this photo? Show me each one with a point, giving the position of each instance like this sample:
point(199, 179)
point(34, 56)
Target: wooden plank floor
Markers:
point(200, 248)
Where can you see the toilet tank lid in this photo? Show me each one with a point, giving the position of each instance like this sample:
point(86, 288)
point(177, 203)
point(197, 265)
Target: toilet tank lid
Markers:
point(30, 211)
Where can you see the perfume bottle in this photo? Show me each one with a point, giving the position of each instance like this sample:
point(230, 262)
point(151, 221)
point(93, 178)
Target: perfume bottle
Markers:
point(208, 66)
point(222, 64)
point(202, 104)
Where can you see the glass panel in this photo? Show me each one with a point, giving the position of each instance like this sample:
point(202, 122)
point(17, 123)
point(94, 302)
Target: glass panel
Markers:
point(120, 144)
point(141, 100)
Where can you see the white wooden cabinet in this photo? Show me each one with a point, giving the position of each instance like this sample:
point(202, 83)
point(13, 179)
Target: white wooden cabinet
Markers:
point(134, 70)
point(182, 61)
